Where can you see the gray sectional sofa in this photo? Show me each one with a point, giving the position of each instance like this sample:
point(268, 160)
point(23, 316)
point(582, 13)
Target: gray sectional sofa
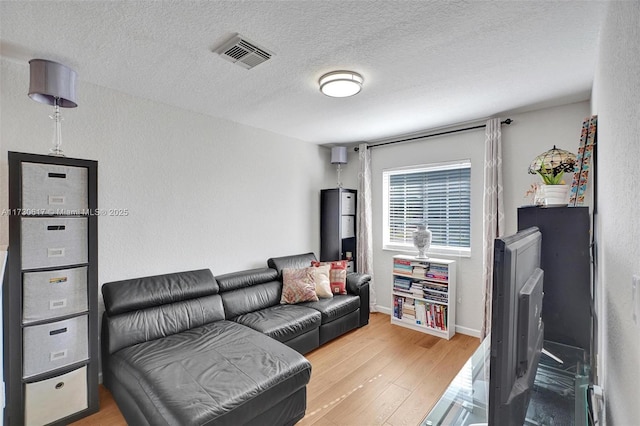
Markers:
point(192, 349)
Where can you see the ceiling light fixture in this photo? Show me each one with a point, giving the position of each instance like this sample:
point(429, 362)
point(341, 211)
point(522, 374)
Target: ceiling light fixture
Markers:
point(341, 84)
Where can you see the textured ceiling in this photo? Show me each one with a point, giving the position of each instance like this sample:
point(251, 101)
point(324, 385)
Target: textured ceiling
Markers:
point(426, 64)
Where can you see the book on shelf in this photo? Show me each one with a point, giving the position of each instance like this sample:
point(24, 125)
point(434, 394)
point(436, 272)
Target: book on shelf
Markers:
point(436, 297)
point(402, 282)
point(442, 277)
point(431, 285)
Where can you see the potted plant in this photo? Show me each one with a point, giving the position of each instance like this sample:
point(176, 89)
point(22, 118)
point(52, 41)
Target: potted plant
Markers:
point(551, 166)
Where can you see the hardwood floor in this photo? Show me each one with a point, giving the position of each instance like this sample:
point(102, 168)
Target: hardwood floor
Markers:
point(377, 375)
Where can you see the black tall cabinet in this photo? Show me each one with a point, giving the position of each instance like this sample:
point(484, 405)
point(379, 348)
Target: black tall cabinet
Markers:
point(338, 225)
point(50, 299)
point(566, 307)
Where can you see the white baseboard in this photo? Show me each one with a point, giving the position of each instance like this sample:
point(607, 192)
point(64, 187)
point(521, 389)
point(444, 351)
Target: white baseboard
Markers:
point(468, 331)
point(383, 310)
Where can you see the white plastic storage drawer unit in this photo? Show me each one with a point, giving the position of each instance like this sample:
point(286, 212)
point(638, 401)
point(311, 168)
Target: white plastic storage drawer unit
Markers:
point(53, 241)
point(56, 398)
point(54, 189)
point(348, 203)
point(55, 345)
point(52, 294)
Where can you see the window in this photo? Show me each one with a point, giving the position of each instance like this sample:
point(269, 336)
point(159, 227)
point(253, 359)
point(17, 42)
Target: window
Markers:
point(436, 194)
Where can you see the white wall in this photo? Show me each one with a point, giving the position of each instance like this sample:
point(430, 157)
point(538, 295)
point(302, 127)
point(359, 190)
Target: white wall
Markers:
point(531, 134)
point(615, 99)
point(201, 192)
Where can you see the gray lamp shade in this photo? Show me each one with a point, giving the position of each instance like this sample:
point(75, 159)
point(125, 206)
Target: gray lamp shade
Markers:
point(339, 155)
point(51, 82)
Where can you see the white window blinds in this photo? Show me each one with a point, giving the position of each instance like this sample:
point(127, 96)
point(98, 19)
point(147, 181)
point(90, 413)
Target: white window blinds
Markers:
point(438, 195)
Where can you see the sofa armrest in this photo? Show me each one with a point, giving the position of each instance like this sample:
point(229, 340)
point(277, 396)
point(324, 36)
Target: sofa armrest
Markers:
point(355, 281)
point(358, 284)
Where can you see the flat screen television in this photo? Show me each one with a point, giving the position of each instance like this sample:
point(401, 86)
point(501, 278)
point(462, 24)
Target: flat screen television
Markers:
point(517, 331)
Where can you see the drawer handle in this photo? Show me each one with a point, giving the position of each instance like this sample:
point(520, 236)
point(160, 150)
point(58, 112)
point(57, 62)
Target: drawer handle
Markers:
point(56, 199)
point(58, 175)
point(58, 331)
point(54, 356)
point(59, 385)
point(56, 228)
point(55, 252)
point(57, 304)
point(58, 280)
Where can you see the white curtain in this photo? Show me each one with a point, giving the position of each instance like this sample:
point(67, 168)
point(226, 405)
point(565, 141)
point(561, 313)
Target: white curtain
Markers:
point(493, 212)
point(364, 251)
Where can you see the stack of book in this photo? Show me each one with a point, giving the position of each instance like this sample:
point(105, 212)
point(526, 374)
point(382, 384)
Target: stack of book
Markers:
point(437, 292)
point(401, 266)
point(402, 285)
point(438, 272)
point(419, 270)
point(409, 309)
point(416, 289)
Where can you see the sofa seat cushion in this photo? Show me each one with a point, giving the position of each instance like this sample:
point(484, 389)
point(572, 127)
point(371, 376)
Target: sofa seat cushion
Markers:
point(282, 322)
point(336, 307)
point(219, 373)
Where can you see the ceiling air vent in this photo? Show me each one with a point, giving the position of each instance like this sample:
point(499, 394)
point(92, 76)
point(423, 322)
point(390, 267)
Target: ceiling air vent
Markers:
point(243, 52)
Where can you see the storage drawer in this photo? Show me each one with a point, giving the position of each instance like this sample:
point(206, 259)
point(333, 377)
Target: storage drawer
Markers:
point(348, 203)
point(348, 229)
point(51, 241)
point(53, 294)
point(52, 188)
point(58, 397)
point(54, 345)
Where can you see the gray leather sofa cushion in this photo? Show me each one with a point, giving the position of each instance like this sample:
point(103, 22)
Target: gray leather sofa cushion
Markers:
point(131, 328)
point(282, 322)
point(335, 307)
point(249, 299)
point(140, 293)
point(296, 261)
point(236, 280)
point(204, 376)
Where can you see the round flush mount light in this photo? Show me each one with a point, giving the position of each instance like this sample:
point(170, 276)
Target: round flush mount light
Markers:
point(341, 84)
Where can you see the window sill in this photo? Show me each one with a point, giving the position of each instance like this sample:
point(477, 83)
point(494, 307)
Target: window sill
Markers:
point(432, 252)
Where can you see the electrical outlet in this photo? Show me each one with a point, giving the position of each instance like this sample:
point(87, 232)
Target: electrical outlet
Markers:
point(635, 299)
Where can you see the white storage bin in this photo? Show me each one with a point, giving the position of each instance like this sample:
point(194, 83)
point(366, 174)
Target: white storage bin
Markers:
point(56, 398)
point(53, 294)
point(58, 189)
point(54, 345)
point(348, 227)
point(348, 203)
point(52, 241)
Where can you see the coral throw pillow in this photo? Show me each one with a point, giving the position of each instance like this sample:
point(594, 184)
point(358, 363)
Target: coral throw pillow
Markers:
point(298, 285)
point(323, 284)
point(337, 275)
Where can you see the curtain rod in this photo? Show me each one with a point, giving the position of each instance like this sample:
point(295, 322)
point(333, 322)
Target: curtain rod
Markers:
point(481, 126)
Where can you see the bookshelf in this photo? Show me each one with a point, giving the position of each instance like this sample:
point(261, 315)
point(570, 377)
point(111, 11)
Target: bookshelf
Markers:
point(424, 295)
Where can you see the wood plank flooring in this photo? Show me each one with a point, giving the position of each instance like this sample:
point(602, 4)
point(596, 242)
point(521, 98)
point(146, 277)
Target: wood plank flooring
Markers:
point(381, 374)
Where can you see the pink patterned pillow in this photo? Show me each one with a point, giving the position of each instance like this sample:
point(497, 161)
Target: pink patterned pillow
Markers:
point(298, 286)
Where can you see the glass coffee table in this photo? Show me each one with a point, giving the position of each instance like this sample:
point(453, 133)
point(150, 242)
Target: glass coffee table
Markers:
point(559, 396)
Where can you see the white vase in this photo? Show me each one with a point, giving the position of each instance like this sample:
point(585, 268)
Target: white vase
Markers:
point(554, 195)
point(422, 240)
